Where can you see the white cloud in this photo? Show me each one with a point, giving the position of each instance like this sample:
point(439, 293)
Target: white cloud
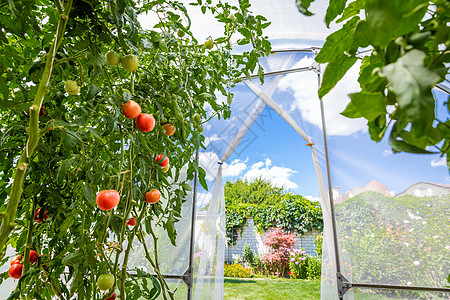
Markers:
point(312, 198)
point(386, 152)
point(209, 162)
point(439, 162)
point(211, 139)
point(279, 176)
point(303, 86)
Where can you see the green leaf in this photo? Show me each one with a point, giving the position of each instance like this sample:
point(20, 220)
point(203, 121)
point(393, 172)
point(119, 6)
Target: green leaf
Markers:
point(366, 76)
point(388, 19)
point(335, 8)
point(170, 227)
point(201, 178)
point(66, 224)
point(62, 170)
point(411, 81)
point(71, 258)
point(334, 72)
point(338, 42)
point(370, 105)
point(303, 6)
point(401, 146)
point(352, 9)
point(87, 191)
point(351, 111)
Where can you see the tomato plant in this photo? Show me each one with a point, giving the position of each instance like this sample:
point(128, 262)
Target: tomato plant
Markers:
point(209, 44)
point(107, 199)
point(131, 221)
point(152, 196)
point(105, 282)
point(37, 215)
point(169, 129)
point(82, 153)
point(112, 58)
point(131, 109)
point(130, 62)
point(16, 260)
point(145, 122)
point(71, 87)
point(162, 162)
point(15, 271)
point(33, 256)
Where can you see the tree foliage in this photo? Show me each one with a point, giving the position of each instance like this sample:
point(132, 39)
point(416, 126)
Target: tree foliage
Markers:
point(273, 208)
point(403, 47)
point(258, 191)
point(58, 150)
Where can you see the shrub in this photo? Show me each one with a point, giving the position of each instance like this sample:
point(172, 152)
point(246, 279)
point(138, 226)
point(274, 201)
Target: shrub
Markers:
point(297, 264)
point(248, 254)
point(257, 265)
point(279, 244)
point(237, 270)
point(318, 242)
point(313, 267)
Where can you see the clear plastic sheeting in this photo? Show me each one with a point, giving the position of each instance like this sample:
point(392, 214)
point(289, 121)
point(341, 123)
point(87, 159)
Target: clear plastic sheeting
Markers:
point(393, 214)
point(210, 246)
point(225, 138)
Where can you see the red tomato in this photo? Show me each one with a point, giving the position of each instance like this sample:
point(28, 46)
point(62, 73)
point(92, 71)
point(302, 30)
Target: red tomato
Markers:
point(169, 129)
point(131, 109)
point(107, 199)
point(145, 122)
point(152, 196)
point(112, 297)
point(15, 271)
point(16, 260)
point(36, 216)
point(33, 256)
point(131, 221)
point(164, 163)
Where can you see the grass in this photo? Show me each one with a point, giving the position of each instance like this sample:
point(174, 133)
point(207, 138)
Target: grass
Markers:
point(269, 289)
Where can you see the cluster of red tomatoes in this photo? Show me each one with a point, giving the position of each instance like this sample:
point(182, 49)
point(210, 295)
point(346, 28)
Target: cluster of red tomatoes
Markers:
point(15, 271)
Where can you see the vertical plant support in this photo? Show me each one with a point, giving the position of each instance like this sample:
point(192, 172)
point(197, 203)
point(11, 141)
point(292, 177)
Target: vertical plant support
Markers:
point(8, 217)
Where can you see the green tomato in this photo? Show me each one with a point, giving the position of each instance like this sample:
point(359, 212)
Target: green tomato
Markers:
point(200, 129)
point(71, 87)
point(112, 58)
point(130, 62)
point(196, 118)
point(105, 282)
point(180, 33)
point(209, 44)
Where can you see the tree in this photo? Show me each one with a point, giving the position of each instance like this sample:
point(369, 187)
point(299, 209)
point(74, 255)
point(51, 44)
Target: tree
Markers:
point(258, 191)
point(269, 206)
point(403, 47)
point(64, 137)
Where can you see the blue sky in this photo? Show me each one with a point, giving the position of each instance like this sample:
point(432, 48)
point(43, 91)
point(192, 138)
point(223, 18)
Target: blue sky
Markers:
point(272, 149)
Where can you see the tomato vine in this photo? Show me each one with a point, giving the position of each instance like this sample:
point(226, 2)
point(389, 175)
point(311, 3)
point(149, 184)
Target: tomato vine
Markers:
point(72, 141)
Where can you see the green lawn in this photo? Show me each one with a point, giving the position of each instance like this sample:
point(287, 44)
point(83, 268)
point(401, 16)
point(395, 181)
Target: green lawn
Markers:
point(269, 289)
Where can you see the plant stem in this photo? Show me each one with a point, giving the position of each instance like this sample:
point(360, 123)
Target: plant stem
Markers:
point(26, 262)
point(33, 132)
point(129, 246)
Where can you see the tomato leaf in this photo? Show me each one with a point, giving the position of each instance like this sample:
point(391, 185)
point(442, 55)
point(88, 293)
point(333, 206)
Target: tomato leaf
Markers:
point(335, 8)
point(334, 71)
point(370, 105)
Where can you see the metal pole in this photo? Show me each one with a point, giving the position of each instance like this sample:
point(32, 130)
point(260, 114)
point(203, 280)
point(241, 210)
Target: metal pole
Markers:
point(398, 287)
point(330, 187)
point(190, 272)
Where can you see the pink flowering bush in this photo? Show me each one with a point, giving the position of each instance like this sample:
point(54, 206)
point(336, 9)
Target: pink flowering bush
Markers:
point(279, 245)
